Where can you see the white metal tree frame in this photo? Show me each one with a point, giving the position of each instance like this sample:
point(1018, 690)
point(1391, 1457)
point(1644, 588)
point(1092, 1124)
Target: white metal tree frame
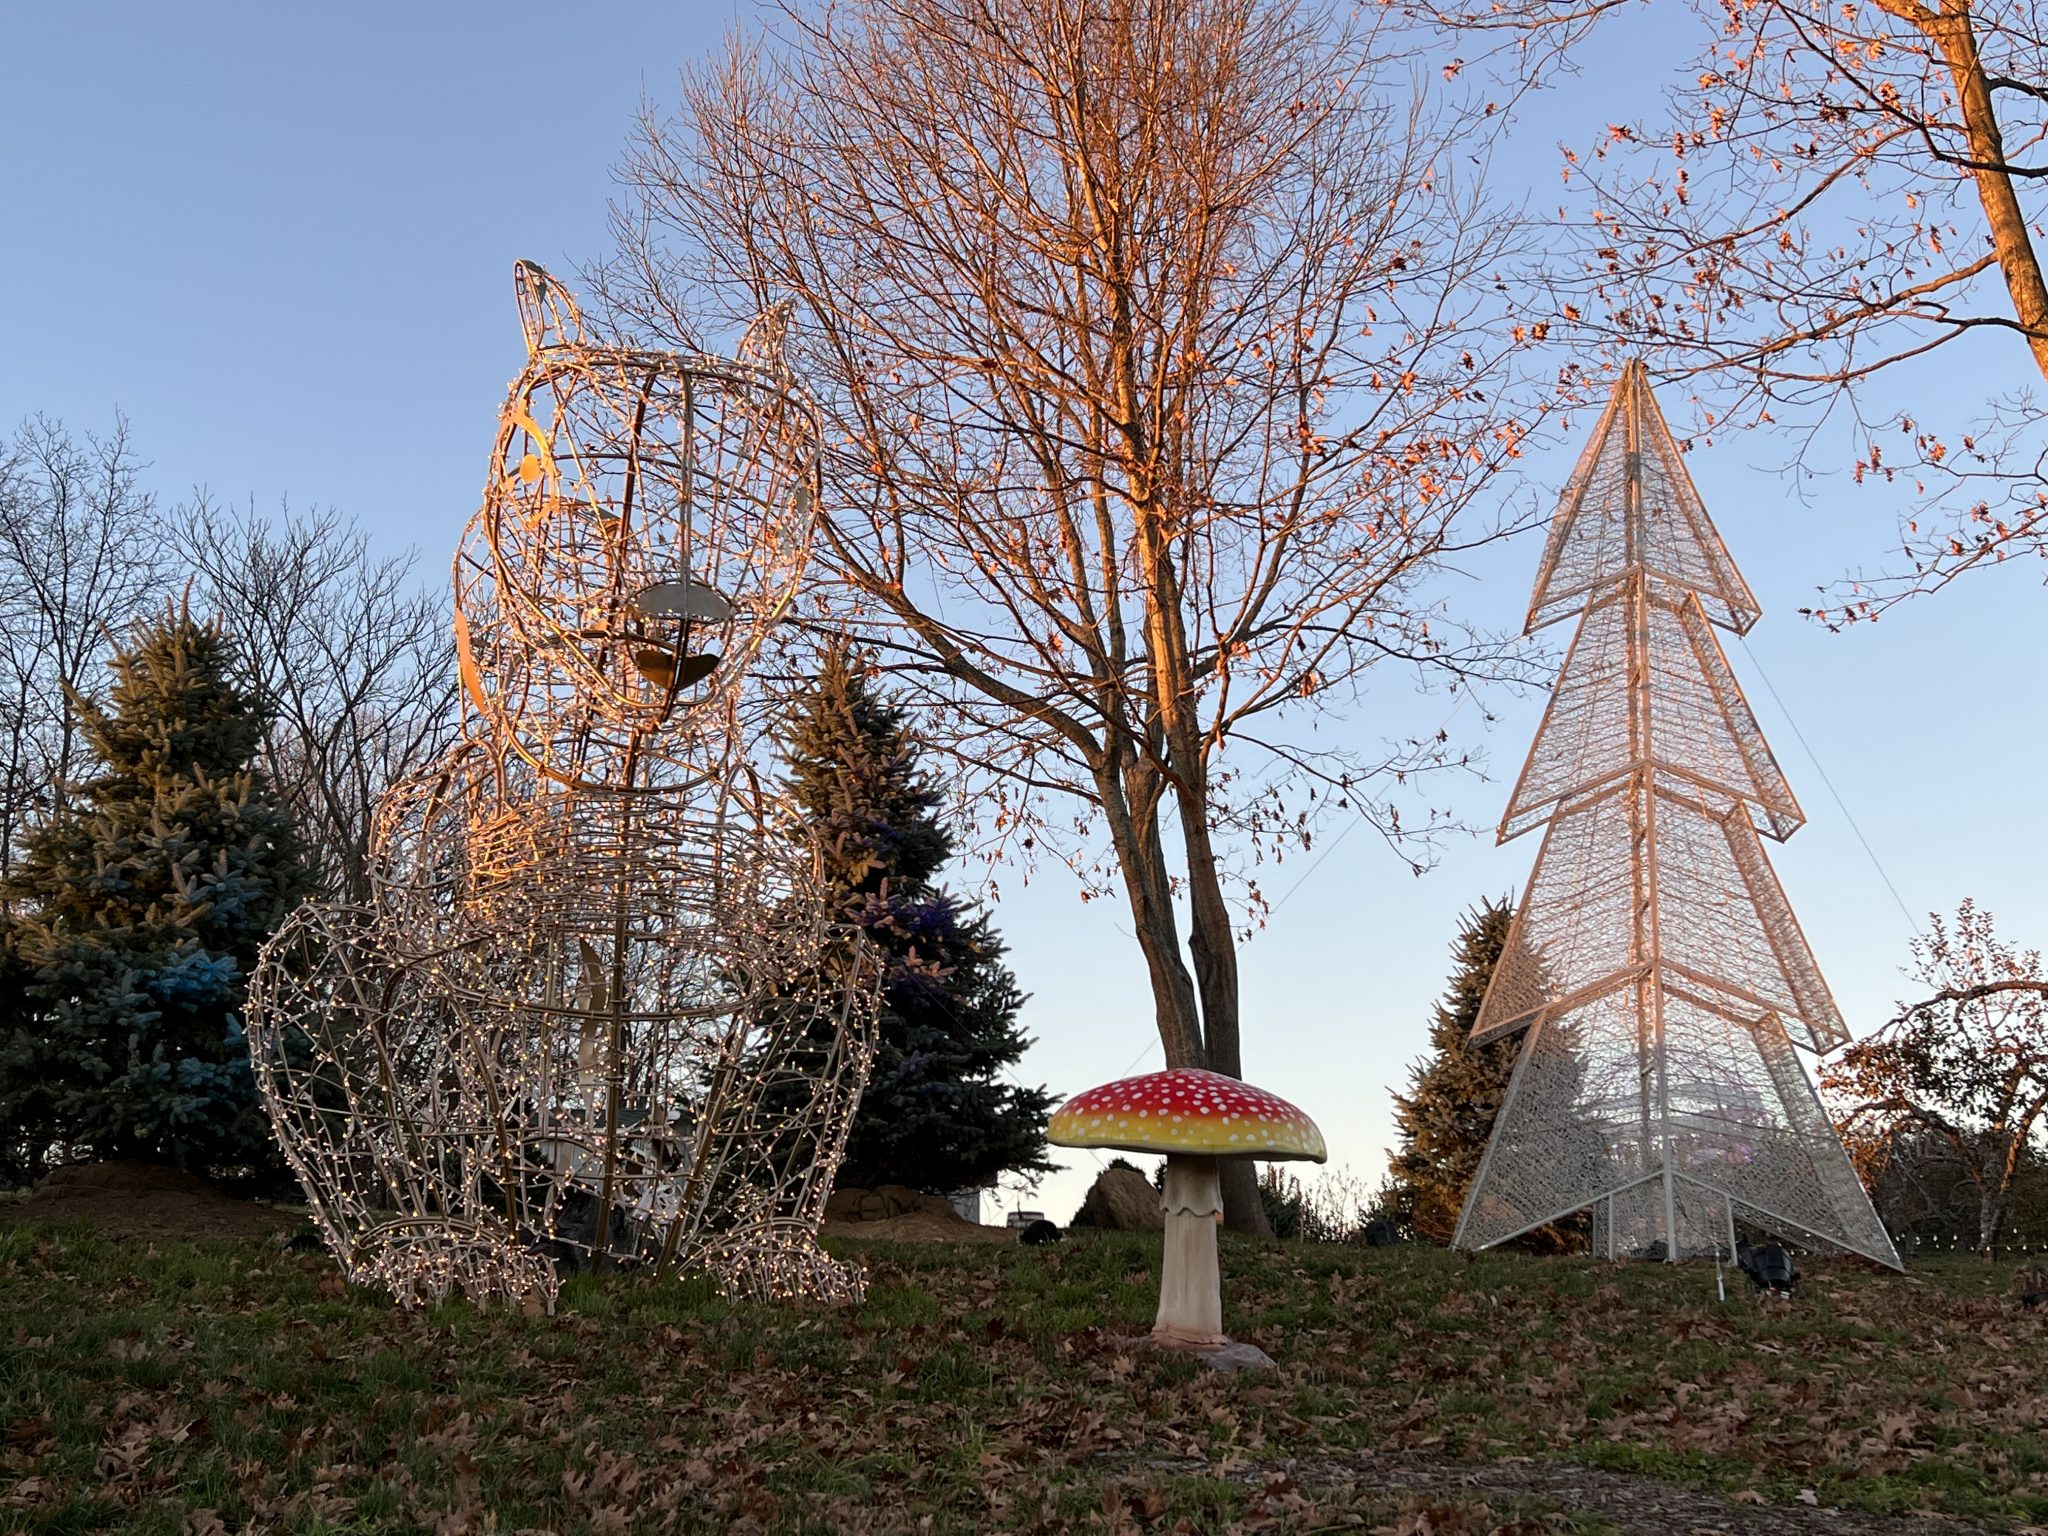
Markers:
point(598, 1009)
point(1654, 965)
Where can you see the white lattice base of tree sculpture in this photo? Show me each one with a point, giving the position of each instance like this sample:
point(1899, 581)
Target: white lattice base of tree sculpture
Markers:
point(1582, 1126)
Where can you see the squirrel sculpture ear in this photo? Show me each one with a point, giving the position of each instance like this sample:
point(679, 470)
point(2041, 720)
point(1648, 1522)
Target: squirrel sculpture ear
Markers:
point(547, 314)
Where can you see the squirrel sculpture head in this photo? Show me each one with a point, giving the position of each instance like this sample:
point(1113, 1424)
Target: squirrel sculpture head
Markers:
point(646, 520)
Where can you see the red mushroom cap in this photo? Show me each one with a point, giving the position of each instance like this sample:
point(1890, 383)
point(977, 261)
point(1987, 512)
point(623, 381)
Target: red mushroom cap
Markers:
point(1187, 1110)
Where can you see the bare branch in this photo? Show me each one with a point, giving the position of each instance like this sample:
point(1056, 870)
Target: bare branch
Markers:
point(1844, 190)
point(1159, 350)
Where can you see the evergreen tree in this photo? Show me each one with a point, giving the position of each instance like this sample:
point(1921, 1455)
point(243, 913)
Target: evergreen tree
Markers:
point(137, 912)
point(1453, 1094)
point(933, 1117)
point(20, 1144)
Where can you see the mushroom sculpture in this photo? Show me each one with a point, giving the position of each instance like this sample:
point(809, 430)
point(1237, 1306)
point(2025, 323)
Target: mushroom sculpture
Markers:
point(1196, 1119)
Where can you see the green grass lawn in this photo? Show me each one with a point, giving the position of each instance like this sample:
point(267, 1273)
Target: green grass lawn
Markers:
point(195, 1388)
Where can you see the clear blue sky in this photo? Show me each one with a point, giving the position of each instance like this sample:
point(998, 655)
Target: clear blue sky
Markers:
point(279, 239)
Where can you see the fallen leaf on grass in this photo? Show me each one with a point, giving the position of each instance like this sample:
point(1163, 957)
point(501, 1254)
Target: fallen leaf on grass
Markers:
point(1428, 1518)
point(31, 1435)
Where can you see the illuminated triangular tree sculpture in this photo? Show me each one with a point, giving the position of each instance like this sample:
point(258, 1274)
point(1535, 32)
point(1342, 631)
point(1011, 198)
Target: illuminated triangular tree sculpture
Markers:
point(1655, 967)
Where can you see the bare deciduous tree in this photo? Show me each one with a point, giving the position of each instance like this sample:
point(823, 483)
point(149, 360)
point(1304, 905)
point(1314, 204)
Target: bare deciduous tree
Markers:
point(1152, 342)
point(1842, 190)
point(350, 657)
point(1964, 1068)
point(80, 558)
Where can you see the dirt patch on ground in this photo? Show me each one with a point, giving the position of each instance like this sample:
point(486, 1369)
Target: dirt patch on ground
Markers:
point(141, 1200)
point(1634, 1505)
point(920, 1227)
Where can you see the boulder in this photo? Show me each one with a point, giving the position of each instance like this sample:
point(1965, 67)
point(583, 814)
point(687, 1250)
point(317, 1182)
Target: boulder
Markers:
point(899, 1199)
point(855, 1205)
point(886, 1203)
point(1122, 1200)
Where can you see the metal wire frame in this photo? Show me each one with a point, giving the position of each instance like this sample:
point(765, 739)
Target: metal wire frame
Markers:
point(646, 520)
point(684, 1056)
point(458, 845)
point(357, 1059)
point(1630, 506)
point(1654, 965)
point(598, 1010)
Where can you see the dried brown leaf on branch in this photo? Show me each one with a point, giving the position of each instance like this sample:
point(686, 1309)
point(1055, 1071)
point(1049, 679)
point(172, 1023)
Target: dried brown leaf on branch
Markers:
point(1841, 206)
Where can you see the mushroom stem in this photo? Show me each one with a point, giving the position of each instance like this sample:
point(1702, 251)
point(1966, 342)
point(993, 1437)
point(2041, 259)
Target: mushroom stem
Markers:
point(1190, 1286)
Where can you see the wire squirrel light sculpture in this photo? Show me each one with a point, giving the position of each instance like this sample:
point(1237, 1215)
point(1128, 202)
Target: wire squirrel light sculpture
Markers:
point(597, 1009)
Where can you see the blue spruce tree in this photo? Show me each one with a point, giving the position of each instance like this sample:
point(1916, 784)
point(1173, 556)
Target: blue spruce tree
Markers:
point(135, 918)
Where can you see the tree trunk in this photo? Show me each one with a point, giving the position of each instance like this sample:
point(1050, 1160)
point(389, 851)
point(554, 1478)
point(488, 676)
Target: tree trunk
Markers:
point(1187, 1022)
point(1135, 837)
point(1243, 1210)
point(1952, 32)
point(1990, 1217)
point(1996, 1187)
point(1214, 949)
point(1210, 941)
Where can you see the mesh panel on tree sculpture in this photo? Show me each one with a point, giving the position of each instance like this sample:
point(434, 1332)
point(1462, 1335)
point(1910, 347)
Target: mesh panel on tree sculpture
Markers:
point(1607, 528)
point(601, 1010)
point(1708, 925)
point(1631, 1223)
point(1563, 1146)
point(1822, 1027)
point(1699, 722)
point(1654, 961)
point(1572, 930)
point(1703, 727)
point(1732, 1106)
